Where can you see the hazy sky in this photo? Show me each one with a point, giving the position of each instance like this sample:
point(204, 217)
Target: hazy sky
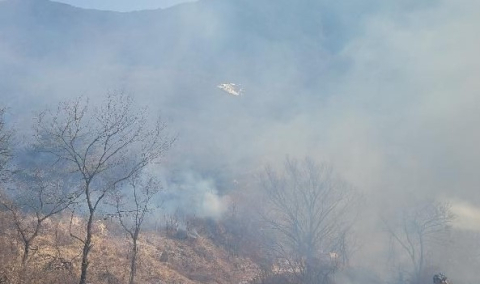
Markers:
point(123, 5)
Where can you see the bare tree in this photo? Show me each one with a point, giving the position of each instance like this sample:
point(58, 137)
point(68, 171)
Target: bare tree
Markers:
point(103, 147)
point(131, 210)
point(306, 207)
point(416, 228)
point(36, 200)
point(37, 194)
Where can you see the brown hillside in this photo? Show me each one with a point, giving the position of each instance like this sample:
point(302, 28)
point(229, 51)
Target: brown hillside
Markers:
point(162, 258)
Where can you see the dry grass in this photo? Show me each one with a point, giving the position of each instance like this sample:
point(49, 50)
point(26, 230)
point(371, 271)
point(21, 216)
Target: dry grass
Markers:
point(57, 256)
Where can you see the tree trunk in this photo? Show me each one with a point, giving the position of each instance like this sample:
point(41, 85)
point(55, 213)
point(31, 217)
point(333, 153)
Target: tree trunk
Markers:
point(133, 264)
point(26, 252)
point(86, 249)
point(421, 260)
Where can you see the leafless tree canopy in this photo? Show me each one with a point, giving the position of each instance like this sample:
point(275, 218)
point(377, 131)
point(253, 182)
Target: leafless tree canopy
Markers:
point(111, 140)
point(307, 206)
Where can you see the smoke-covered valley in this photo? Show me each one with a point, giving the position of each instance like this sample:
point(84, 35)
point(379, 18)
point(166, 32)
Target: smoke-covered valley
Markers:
point(386, 92)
